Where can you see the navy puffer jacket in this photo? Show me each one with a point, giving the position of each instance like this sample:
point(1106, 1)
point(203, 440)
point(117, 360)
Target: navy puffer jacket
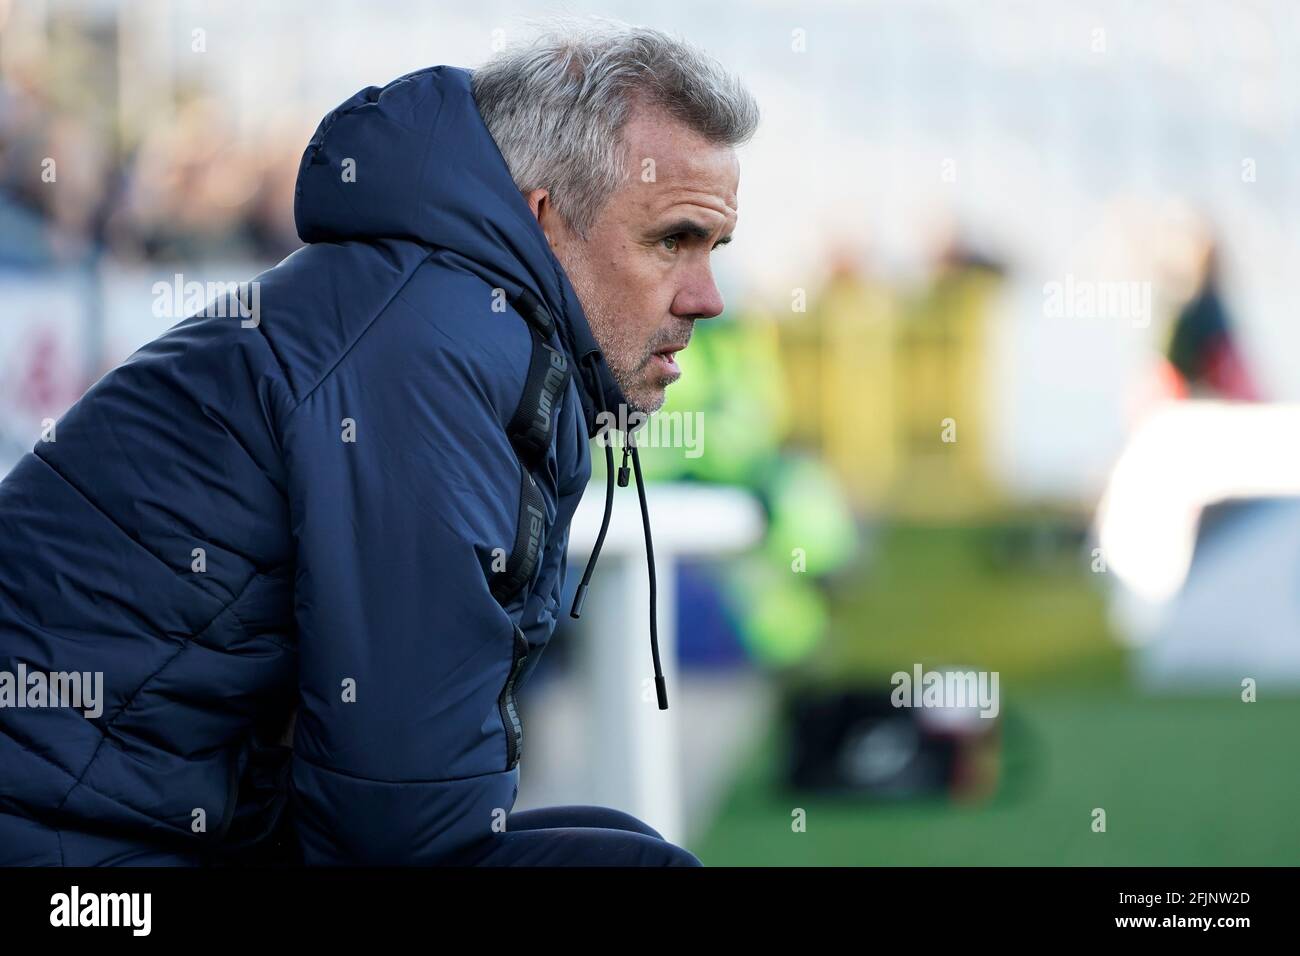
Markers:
point(341, 504)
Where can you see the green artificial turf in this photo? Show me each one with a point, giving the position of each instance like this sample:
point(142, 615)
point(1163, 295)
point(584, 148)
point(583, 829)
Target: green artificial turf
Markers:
point(1184, 782)
point(1191, 781)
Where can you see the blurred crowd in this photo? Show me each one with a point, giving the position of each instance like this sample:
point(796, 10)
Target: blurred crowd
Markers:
point(80, 180)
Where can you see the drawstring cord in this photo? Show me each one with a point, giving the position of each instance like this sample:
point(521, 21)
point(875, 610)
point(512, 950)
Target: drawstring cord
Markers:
point(661, 688)
point(629, 446)
point(580, 596)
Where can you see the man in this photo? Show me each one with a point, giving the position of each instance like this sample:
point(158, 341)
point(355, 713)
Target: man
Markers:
point(314, 542)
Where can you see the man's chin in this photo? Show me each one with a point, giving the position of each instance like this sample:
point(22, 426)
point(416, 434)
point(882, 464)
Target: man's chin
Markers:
point(647, 393)
point(647, 400)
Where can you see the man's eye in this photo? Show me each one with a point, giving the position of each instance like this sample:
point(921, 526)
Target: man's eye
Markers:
point(671, 239)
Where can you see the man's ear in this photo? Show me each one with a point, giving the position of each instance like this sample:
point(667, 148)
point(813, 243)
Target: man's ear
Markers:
point(536, 199)
point(553, 227)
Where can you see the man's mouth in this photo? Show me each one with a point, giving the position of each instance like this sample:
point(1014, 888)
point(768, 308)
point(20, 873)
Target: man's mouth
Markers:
point(664, 358)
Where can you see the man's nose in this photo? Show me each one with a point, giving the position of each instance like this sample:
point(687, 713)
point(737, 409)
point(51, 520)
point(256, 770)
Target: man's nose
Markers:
point(700, 298)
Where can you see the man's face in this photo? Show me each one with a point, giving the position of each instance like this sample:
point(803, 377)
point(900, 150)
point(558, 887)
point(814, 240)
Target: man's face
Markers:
point(644, 275)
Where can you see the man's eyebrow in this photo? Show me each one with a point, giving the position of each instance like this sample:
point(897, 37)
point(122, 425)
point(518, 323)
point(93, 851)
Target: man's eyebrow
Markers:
point(691, 228)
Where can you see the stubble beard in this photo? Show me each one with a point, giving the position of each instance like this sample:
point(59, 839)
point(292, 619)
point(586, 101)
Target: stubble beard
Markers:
point(627, 360)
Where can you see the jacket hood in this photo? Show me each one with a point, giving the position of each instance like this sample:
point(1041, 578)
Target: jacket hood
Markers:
point(414, 160)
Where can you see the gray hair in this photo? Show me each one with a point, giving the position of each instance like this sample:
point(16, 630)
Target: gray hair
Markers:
point(557, 106)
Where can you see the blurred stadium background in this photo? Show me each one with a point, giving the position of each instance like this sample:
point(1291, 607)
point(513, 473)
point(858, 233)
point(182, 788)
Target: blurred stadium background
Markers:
point(1061, 234)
